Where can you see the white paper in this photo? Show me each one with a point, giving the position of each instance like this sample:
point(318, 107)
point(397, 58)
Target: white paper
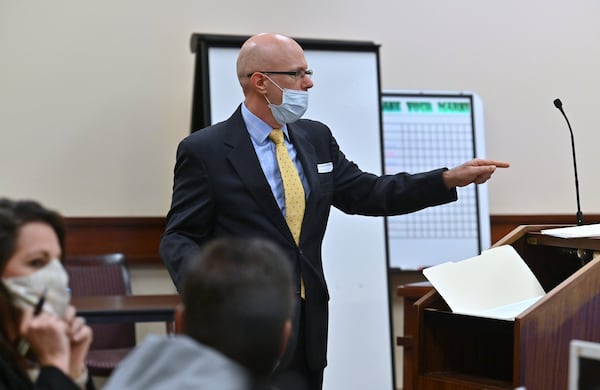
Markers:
point(496, 284)
point(582, 231)
point(511, 310)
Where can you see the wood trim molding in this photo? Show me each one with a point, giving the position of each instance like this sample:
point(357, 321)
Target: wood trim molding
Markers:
point(139, 237)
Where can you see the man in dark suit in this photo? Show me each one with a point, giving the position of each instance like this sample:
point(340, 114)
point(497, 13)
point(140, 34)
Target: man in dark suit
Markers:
point(227, 182)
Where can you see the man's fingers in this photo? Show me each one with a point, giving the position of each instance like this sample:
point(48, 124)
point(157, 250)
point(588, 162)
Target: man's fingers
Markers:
point(497, 164)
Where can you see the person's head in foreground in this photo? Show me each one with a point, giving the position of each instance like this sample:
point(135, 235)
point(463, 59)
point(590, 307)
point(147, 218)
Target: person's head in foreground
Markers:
point(238, 299)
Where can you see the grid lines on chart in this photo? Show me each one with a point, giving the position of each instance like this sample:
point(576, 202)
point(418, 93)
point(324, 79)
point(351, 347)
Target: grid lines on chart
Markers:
point(421, 146)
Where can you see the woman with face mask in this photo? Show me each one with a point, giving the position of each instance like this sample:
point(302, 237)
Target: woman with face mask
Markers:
point(42, 343)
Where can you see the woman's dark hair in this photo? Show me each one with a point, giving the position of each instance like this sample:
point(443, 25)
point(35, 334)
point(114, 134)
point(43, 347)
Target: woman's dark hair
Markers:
point(20, 212)
point(13, 215)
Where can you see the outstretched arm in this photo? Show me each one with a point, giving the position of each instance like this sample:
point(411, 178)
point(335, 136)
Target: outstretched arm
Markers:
point(476, 171)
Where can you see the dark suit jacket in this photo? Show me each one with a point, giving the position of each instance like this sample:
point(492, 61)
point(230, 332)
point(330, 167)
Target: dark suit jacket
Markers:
point(220, 190)
point(48, 379)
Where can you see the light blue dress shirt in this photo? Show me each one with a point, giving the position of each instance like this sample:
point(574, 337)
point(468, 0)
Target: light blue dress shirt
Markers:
point(265, 150)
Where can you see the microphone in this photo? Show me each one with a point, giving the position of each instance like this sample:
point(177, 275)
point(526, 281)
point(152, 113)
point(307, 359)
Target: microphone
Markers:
point(558, 104)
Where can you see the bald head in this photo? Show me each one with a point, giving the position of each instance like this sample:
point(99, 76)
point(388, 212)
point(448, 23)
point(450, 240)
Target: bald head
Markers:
point(268, 51)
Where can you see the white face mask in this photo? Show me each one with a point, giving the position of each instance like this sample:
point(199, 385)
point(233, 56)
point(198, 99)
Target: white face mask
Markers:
point(293, 105)
point(27, 290)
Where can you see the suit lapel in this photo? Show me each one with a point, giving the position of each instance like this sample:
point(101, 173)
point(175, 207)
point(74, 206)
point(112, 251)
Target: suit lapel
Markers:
point(312, 217)
point(306, 153)
point(244, 161)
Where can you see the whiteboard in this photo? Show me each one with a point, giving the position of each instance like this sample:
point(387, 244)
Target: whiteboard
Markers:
point(346, 97)
point(425, 130)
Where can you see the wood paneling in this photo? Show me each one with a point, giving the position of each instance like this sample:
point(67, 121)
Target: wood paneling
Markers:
point(138, 237)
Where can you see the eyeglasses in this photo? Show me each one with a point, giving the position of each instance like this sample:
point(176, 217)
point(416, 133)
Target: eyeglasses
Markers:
point(293, 73)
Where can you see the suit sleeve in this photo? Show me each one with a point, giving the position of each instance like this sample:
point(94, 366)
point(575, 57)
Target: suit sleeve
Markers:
point(189, 221)
point(358, 192)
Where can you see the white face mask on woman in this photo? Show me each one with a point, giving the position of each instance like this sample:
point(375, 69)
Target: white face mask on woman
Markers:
point(53, 278)
point(293, 105)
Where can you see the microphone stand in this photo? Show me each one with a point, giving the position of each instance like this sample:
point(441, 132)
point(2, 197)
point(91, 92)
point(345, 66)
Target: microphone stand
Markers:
point(579, 215)
point(584, 255)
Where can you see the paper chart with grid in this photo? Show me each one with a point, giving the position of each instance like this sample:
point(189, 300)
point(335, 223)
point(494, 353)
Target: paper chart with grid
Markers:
point(418, 138)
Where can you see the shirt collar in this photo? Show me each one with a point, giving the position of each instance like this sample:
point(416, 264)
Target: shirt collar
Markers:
point(258, 129)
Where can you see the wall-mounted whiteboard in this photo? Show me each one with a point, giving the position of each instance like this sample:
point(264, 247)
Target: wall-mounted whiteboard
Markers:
point(424, 131)
point(346, 97)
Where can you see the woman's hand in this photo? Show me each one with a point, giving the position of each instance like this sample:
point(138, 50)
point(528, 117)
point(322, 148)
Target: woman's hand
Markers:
point(47, 337)
point(80, 337)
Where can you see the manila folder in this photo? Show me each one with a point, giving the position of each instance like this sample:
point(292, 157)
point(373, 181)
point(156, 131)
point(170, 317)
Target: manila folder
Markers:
point(496, 284)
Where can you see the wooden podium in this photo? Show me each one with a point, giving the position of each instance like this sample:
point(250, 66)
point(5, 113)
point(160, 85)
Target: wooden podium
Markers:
point(453, 351)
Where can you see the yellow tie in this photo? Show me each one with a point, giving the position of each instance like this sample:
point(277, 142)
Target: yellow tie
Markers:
point(292, 189)
point(292, 186)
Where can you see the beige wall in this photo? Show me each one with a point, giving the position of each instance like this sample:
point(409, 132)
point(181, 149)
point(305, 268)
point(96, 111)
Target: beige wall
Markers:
point(94, 96)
